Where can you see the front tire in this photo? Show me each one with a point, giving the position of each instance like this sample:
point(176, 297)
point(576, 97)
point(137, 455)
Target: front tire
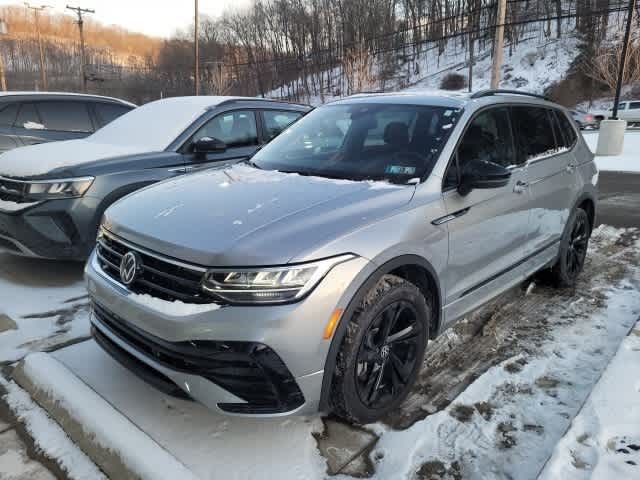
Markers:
point(382, 351)
point(573, 250)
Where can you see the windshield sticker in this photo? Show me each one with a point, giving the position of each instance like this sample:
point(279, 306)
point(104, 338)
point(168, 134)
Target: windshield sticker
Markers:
point(399, 170)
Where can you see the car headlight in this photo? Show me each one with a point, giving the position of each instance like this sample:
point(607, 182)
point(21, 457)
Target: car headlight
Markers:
point(268, 285)
point(55, 189)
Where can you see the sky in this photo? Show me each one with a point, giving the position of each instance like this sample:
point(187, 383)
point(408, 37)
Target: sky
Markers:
point(160, 18)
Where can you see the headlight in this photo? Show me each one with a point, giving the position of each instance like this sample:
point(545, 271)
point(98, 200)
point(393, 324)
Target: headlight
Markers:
point(268, 285)
point(54, 189)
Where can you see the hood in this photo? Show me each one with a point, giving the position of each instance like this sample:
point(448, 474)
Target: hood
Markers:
point(242, 216)
point(59, 159)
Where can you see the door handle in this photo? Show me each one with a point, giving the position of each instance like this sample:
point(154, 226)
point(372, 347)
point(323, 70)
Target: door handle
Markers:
point(520, 187)
point(571, 168)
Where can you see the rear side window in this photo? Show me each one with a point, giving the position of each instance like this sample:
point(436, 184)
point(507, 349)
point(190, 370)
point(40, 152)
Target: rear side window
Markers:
point(534, 132)
point(275, 122)
point(65, 116)
point(8, 114)
point(108, 112)
point(28, 118)
point(634, 105)
point(569, 136)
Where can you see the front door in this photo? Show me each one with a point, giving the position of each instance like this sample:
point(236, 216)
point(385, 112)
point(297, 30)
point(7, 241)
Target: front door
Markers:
point(488, 228)
point(239, 132)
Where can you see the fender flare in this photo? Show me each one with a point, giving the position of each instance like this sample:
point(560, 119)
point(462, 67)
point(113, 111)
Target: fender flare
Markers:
point(338, 336)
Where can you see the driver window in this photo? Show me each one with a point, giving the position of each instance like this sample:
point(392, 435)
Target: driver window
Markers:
point(488, 138)
point(235, 129)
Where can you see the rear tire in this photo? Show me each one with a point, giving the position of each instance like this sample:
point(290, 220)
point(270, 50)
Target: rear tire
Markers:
point(573, 250)
point(382, 351)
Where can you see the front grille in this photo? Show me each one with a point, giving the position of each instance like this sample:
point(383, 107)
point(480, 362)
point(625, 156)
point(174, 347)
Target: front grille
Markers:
point(251, 371)
point(12, 191)
point(159, 278)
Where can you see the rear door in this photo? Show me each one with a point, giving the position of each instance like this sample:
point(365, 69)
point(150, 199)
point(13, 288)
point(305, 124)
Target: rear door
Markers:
point(542, 145)
point(238, 129)
point(487, 228)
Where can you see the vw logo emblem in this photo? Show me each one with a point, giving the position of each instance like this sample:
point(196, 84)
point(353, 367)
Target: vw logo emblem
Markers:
point(130, 267)
point(384, 352)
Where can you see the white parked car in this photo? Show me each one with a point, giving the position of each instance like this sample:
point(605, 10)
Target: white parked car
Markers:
point(628, 110)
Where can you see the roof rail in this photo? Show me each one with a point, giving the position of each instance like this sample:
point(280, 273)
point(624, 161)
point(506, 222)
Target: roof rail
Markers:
point(498, 91)
point(258, 99)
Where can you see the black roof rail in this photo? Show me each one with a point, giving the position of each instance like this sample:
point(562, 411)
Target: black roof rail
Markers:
point(498, 91)
point(258, 99)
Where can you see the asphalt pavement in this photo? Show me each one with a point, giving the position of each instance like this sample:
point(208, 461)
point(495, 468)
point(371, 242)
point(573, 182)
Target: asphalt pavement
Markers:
point(619, 204)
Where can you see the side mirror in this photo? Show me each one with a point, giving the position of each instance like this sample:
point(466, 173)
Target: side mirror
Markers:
point(482, 174)
point(208, 145)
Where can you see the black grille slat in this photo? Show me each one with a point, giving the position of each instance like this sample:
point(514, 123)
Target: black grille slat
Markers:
point(158, 278)
point(252, 372)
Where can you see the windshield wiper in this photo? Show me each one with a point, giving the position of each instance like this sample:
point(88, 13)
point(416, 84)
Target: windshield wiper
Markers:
point(253, 164)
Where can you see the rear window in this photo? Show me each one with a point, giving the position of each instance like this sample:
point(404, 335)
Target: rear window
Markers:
point(65, 116)
point(108, 112)
point(634, 105)
point(28, 118)
point(8, 114)
point(534, 136)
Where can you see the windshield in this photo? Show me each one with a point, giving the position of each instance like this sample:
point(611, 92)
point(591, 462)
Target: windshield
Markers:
point(362, 141)
point(154, 125)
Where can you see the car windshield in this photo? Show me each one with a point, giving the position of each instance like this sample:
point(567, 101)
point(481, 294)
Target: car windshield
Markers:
point(362, 141)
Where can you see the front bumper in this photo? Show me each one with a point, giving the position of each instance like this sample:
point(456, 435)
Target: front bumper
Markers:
point(279, 351)
point(57, 229)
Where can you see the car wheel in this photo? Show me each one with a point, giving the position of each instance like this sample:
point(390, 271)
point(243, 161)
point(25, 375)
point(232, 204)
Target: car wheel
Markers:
point(573, 250)
point(382, 351)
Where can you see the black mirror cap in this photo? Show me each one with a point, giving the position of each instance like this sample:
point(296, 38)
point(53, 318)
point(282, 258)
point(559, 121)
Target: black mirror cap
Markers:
point(209, 145)
point(482, 174)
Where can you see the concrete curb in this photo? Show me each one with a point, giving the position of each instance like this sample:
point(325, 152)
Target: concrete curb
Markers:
point(110, 450)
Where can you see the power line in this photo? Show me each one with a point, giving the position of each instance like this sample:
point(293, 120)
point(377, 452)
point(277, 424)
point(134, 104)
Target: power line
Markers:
point(79, 11)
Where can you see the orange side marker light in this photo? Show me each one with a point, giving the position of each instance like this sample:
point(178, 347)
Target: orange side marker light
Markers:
point(331, 325)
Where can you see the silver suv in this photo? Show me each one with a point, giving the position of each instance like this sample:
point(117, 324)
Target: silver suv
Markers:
point(312, 276)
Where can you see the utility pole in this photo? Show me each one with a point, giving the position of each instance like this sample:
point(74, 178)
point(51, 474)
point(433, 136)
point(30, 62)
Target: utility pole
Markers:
point(3, 79)
point(43, 68)
point(470, 82)
point(623, 58)
point(498, 43)
point(79, 11)
point(195, 51)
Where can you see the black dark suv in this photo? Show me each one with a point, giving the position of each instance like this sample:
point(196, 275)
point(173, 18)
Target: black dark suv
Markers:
point(52, 196)
point(28, 118)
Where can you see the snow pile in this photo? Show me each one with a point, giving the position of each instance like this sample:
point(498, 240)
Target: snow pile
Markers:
point(48, 436)
point(604, 439)
point(101, 422)
point(629, 161)
point(175, 308)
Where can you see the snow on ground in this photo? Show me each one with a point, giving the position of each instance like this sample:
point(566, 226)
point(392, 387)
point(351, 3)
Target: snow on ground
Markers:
point(629, 161)
point(49, 438)
point(504, 425)
point(42, 304)
point(604, 439)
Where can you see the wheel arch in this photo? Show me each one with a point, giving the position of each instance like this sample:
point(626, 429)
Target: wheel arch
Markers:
point(413, 268)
